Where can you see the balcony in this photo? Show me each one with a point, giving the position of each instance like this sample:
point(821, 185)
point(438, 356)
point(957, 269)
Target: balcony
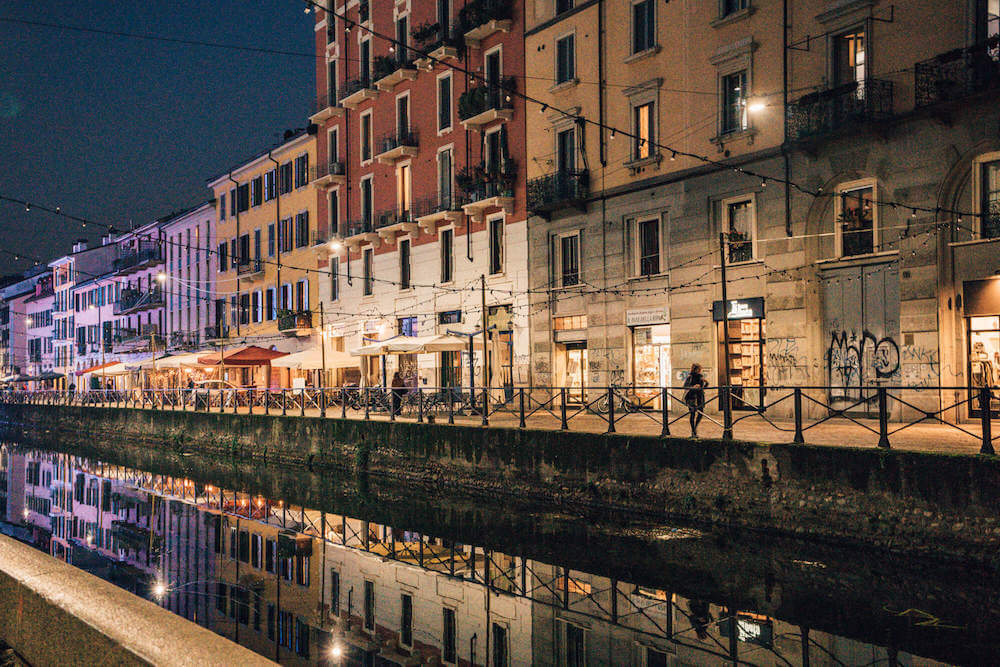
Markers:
point(330, 173)
point(294, 322)
point(957, 74)
point(132, 340)
point(391, 70)
point(358, 232)
point(397, 145)
point(249, 268)
point(146, 256)
point(326, 107)
point(556, 191)
point(355, 92)
point(183, 340)
point(392, 222)
point(481, 18)
point(439, 44)
point(138, 300)
point(839, 108)
point(430, 211)
point(485, 104)
point(487, 187)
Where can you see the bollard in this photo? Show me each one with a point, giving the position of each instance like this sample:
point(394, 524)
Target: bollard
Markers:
point(563, 425)
point(797, 400)
point(986, 417)
point(883, 418)
point(611, 410)
point(664, 412)
point(521, 423)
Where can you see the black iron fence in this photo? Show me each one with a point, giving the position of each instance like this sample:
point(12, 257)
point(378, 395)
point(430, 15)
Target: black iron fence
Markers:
point(839, 107)
point(557, 190)
point(879, 415)
point(958, 73)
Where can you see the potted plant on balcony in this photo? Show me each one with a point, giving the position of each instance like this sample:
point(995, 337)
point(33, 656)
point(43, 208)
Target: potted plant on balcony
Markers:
point(425, 35)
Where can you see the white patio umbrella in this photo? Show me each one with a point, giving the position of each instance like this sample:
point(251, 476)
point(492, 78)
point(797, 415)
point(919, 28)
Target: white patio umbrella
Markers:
point(312, 360)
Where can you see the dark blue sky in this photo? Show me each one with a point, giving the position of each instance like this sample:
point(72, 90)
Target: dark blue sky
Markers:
point(116, 128)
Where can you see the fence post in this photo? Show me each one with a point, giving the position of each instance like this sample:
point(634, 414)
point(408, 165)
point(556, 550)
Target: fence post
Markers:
point(611, 409)
point(267, 401)
point(486, 406)
point(883, 418)
point(797, 400)
point(727, 412)
point(664, 412)
point(322, 402)
point(367, 402)
point(451, 406)
point(284, 403)
point(392, 405)
point(520, 400)
point(302, 399)
point(985, 417)
point(420, 405)
point(563, 425)
point(236, 401)
point(343, 403)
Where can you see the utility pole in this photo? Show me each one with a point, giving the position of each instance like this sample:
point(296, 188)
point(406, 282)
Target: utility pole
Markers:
point(727, 415)
point(322, 353)
point(486, 365)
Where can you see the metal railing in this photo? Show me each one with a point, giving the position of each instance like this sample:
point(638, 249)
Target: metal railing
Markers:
point(326, 101)
point(396, 139)
point(839, 107)
point(134, 259)
point(293, 320)
point(481, 182)
point(442, 203)
point(249, 267)
point(875, 416)
point(478, 12)
point(134, 299)
point(431, 37)
point(384, 66)
point(956, 74)
point(352, 86)
point(485, 97)
point(331, 168)
point(558, 190)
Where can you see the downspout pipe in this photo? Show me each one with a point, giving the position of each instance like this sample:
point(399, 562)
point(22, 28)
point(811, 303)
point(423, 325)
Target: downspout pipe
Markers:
point(277, 228)
point(236, 197)
point(786, 158)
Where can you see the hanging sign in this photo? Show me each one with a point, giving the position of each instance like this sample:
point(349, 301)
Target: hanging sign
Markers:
point(738, 309)
point(646, 317)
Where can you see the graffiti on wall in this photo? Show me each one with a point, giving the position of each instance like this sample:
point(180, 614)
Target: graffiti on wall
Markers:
point(854, 361)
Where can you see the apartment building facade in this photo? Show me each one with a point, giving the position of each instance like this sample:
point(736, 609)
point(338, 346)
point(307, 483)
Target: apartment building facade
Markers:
point(840, 278)
point(139, 284)
point(419, 189)
point(191, 269)
point(14, 357)
point(266, 277)
point(38, 332)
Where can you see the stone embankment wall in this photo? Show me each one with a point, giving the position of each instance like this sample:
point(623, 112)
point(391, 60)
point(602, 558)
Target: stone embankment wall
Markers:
point(911, 502)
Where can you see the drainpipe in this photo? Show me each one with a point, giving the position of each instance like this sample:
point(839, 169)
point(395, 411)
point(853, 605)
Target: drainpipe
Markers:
point(784, 117)
point(236, 195)
point(277, 228)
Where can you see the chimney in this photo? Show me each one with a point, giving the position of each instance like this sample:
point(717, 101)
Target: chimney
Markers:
point(106, 239)
point(79, 245)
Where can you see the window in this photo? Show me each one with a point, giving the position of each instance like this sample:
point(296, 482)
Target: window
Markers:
point(563, 6)
point(270, 555)
point(269, 185)
point(333, 145)
point(643, 26)
point(575, 649)
point(856, 224)
point(732, 6)
point(255, 307)
point(302, 229)
point(642, 129)
point(366, 202)
point(849, 59)
point(302, 295)
point(496, 226)
point(565, 59)
point(334, 211)
point(448, 633)
point(369, 606)
point(403, 190)
point(365, 62)
point(566, 151)
point(445, 180)
point(243, 197)
point(366, 137)
point(402, 115)
point(256, 192)
point(334, 278)
point(270, 240)
point(286, 235)
point(302, 570)
point(232, 543)
point(369, 279)
point(285, 178)
point(221, 592)
point(222, 206)
point(444, 103)
point(404, 264)
point(739, 226)
point(734, 107)
point(447, 255)
point(256, 550)
point(501, 651)
point(302, 170)
point(649, 247)
point(232, 202)
point(989, 199)
point(244, 542)
point(270, 305)
point(569, 260)
point(256, 246)
point(406, 620)
point(334, 592)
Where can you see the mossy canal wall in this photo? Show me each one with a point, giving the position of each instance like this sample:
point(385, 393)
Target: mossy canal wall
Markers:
point(913, 502)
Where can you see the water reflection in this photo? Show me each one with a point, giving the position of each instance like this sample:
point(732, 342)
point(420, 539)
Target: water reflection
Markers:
point(307, 586)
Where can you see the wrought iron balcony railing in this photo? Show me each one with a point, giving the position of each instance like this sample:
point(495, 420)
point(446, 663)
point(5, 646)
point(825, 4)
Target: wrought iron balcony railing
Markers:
point(142, 257)
point(353, 86)
point(840, 107)
point(478, 12)
point(250, 267)
point(384, 66)
point(332, 168)
point(294, 320)
point(440, 203)
point(956, 74)
point(431, 37)
point(132, 300)
point(356, 227)
point(393, 217)
point(216, 333)
point(486, 97)
point(558, 190)
point(390, 141)
point(325, 101)
point(481, 182)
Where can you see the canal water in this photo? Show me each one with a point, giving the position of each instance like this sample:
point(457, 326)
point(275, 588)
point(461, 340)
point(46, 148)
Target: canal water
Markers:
point(328, 568)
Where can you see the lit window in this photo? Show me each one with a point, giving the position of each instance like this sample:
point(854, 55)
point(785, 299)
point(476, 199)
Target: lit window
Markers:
point(734, 107)
point(642, 119)
point(739, 225)
point(856, 224)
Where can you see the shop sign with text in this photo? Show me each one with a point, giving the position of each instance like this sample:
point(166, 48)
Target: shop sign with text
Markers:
point(738, 309)
point(641, 318)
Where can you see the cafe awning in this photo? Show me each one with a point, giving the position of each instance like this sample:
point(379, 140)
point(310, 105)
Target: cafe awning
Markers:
point(98, 367)
point(414, 345)
point(312, 360)
point(251, 355)
point(111, 368)
point(188, 359)
point(48, 375)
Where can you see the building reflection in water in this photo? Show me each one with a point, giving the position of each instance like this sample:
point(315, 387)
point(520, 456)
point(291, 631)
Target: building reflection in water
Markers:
point(304, 587)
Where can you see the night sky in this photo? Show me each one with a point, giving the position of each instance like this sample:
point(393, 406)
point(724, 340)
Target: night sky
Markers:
point(115, 129)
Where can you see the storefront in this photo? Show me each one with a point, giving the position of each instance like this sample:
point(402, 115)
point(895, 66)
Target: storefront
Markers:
point(501, 337)
point(982, 317)
point(407, 363)
point(570, 338)
point(650, 333)
point(450, 364)
point(745, 320)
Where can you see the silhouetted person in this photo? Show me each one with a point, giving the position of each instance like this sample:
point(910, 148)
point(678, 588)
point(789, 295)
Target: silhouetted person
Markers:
point(694, 397)
point(398, 387)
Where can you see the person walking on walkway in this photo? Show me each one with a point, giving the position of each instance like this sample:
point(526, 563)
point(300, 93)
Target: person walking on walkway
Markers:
point(398, 387)
point(694, 397)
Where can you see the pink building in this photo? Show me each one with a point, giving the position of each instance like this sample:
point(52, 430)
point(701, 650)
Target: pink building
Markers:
point(38, 328)
point(93, 314)
point(190, 277)
point(138, 310)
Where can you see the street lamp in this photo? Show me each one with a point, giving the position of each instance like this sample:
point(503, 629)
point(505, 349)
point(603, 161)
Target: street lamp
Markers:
point(756, 105)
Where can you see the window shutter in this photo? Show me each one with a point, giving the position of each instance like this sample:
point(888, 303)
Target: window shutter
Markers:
point(629, 246)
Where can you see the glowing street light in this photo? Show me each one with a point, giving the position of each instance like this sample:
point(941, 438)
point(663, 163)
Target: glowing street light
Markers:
point(336, 245)
point(159, 590)
point(161, 277)
point(756, 105)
